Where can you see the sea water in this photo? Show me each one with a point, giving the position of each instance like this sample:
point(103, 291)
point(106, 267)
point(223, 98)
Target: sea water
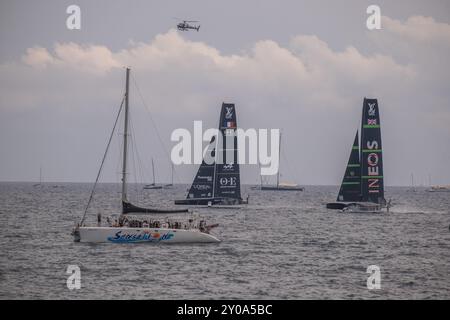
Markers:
point(283, 245)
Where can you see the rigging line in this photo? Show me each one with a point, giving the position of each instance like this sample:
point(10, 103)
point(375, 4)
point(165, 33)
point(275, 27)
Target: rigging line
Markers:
point(137, 163)
point(120, 153)
point(154, 124)
point(133, 161)
point(103, 161)
point(138, 176)
point(140, 168)
point(132, 152)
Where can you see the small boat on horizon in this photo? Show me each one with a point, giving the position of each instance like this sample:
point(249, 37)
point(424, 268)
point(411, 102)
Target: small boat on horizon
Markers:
point(153, 186)
point(170, 185)
point(279, 186)
point(437, 188)
point(40, 178)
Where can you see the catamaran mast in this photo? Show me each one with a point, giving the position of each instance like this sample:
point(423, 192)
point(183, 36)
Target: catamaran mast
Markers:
point(125, 140)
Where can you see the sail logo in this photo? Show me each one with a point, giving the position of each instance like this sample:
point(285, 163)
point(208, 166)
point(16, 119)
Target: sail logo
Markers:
point(229, 132)
point(208, 178)
point(123, 237)
point(201, 187)
point(373, 169)
point(228, 181)
point(371, 122)
point(372, 109)
point(229, 112)
point(228, 167)
point(229, 124)
point(251, 146)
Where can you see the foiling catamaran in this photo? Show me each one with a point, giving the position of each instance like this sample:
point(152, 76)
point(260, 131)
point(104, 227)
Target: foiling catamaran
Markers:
point(218, 183)
point(362, 188)
point(143, 227)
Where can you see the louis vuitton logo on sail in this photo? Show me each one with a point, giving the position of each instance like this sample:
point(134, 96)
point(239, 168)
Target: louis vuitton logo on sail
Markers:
point(189, 149)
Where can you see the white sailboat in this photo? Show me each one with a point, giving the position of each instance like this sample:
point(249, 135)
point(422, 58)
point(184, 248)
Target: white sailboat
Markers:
point(153, 186)
point(170, 185)
point(438, 188)
point(413, 187)
point(144, 227)
point(280, 186)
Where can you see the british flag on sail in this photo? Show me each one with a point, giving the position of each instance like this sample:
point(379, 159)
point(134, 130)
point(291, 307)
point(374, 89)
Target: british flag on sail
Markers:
point(371, 121)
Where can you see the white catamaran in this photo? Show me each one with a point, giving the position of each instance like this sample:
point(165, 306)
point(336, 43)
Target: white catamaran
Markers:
point(142, 227)
point(362, 188)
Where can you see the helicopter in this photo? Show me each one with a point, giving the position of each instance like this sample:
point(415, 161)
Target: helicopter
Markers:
point(185, 26)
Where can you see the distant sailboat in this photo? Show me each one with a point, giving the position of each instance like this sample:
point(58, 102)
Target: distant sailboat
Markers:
point(40, 178)
point(437, 188)
point(218, 183)
point(170, 185)
point(280, 186)
point(413, 187)
point(362, 188)
point(153, 185)
point(128, 229)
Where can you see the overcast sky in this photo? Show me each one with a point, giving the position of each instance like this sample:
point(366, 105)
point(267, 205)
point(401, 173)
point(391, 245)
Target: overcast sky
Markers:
point(302, 66)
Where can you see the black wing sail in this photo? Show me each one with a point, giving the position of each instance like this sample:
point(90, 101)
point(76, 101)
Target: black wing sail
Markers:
point(372, 181)
point(351, 183)
point(203, 185)
point(227, 177)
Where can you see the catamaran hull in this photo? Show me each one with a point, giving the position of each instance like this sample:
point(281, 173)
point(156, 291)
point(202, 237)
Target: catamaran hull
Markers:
point(336, 205)
point(211, 202)
point(355, 207)
point(141, 235)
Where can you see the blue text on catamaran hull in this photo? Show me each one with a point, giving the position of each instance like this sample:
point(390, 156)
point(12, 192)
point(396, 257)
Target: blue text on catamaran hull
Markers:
point(145, 237)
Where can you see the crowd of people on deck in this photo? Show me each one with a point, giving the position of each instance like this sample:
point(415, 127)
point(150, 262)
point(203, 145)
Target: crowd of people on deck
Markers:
point(134, 222)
